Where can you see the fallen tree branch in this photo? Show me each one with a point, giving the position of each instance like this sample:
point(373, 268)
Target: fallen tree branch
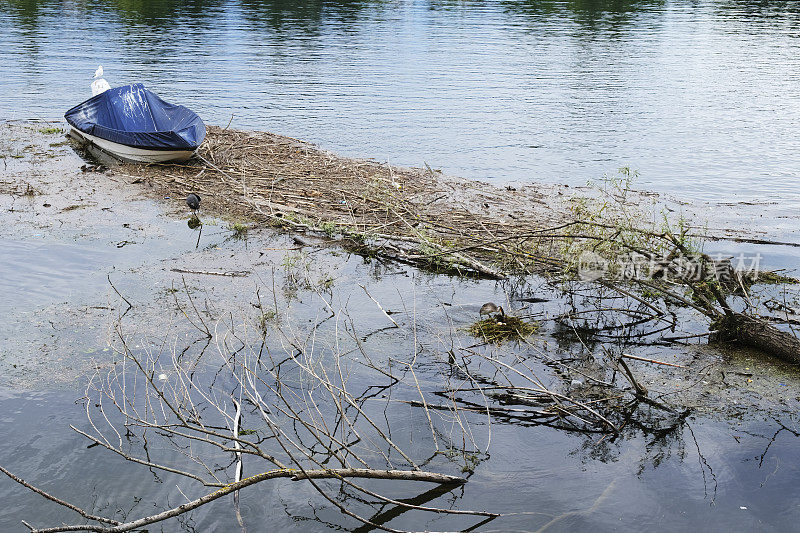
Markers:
point(756, 333)
point(291, 473)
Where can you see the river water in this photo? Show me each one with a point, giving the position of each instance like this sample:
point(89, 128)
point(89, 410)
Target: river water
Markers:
point(700, 96)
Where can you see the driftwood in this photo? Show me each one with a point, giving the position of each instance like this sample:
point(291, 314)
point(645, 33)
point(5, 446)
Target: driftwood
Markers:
point(761, 335)
point(292, 474)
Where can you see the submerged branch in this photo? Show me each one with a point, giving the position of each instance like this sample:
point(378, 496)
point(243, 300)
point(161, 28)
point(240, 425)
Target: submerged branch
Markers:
point(290, 473)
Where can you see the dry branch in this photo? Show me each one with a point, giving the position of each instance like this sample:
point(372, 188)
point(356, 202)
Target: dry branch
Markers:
point(290, 473)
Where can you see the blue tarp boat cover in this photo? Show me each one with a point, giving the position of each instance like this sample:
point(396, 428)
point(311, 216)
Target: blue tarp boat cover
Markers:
point(133, 116)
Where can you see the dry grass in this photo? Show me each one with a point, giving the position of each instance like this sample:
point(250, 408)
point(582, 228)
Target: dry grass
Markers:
point(415, 215)
point(500, 329)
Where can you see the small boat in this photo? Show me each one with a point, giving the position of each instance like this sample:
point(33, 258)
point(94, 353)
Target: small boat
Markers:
point(134, 124)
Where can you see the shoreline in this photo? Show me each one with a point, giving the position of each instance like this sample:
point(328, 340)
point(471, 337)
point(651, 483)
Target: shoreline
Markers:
point(729, 222)
point(413, 215)
point(419, 216)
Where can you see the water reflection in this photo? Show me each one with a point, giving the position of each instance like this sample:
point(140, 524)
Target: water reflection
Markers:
point(759, 8)
point(589, 13)
point(170, 14)
point(289, 14)
point(164, 13)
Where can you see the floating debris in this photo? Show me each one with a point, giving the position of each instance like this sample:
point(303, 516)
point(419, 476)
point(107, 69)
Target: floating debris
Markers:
point(499, 329)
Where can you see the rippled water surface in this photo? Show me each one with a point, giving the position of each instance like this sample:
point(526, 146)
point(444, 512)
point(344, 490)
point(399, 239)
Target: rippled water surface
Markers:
point(702, 97)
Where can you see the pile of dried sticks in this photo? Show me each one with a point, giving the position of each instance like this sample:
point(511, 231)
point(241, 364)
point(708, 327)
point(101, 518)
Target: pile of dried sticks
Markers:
point(415, 215)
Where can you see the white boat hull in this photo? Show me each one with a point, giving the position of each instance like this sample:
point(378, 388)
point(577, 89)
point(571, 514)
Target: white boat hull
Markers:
point(129, 153)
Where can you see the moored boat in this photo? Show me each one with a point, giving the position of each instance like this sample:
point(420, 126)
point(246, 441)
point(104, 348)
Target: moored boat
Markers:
point(134, 124)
